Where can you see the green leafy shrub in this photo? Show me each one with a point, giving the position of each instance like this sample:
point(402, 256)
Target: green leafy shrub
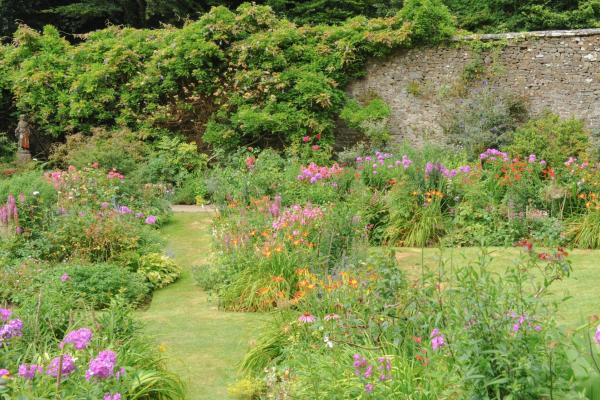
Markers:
point(120, 150)
point(28, 183)
point(551, 138)
point(159, 270)
point(98, 284)
point(431, 20)
point(372, 119)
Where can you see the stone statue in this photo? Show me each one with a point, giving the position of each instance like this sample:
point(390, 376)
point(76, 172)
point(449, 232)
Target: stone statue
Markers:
point(23, 133)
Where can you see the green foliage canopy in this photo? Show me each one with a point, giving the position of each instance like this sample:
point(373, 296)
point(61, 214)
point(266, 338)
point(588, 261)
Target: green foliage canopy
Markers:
point(236, 78)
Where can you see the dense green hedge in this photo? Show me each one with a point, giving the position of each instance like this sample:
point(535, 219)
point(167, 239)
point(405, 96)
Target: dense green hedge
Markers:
point(241, 77)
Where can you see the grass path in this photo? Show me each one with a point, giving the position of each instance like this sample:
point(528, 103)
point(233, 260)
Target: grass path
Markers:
point(203, 345)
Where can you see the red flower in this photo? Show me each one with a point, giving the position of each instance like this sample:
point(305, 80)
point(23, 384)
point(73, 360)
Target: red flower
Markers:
point(544, 256)
point(306, 139)
point(316, 147)
point(526, 244)
point(318, 136)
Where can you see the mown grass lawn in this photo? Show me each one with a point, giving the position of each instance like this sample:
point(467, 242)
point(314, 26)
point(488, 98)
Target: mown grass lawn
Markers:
point(203, 345)
point(581, 286)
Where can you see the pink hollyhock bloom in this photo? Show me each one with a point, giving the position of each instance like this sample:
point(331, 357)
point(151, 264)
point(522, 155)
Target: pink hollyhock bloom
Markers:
point(151, 220)
point(598, 334)
point(307, 318)
point(315, 147)
point(65, 277)
point(369, 388)
point(115, 396)
point(306, 139)
point(4, 372)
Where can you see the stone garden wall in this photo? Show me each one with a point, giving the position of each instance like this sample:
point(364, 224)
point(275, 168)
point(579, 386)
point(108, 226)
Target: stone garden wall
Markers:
point(555, 70)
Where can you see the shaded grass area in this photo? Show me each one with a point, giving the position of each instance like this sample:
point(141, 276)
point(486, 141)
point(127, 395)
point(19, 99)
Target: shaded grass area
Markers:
point(202, 344)
point(581, 287)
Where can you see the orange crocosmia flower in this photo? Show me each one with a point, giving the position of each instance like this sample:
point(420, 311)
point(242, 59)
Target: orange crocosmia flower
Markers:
point(280, 294)
point(278, 249)
point(277, 279)
point(353, 282)
point(301, 271)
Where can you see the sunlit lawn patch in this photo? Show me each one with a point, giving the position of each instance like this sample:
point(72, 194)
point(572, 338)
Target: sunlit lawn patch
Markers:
point(581, 286)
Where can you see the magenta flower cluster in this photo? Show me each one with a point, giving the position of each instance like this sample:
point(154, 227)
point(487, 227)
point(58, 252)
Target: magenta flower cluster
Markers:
point(365, 370)
point(5, 314)
point(65, 365)
point(124, 210)
point(11, 329)
point(520, 322)
point(437, 339)
point(297, 214)
point(493, 154)
point(9, 211)
point(29, 371)
point(314, 173)
point(80, 338)
point(379, 161)
point(103, 366)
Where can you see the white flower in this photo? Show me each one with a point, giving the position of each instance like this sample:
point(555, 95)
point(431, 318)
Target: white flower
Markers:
point(327, 341)
point(36, 193)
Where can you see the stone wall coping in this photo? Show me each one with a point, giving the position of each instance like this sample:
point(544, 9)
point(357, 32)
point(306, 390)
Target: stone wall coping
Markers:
point(524, 35)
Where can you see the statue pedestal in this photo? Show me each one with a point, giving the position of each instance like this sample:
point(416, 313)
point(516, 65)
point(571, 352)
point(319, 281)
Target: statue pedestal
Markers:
point(23, 157)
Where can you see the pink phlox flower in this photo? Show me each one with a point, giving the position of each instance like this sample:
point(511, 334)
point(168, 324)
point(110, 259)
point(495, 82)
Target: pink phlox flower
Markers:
point(80, 338)
point(29, 371)
point(5, 314)
point(103, 366)
point(66, 366)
